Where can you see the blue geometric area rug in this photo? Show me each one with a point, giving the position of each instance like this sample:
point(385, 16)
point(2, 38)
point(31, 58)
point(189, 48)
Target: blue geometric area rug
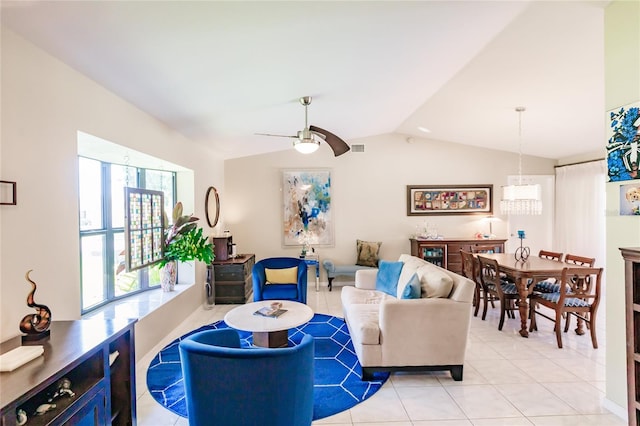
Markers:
point(337, 385)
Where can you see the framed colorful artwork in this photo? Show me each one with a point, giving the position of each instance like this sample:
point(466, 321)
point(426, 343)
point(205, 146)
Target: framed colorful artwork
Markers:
point(144, 227)
point(630, 199)
point(307, 218)
point(622, 146)
point(449, 199)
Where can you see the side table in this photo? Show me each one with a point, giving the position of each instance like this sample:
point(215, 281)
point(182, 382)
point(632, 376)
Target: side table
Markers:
point(314, 261)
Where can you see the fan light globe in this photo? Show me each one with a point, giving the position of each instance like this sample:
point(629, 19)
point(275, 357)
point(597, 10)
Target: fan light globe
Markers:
point(306, 146)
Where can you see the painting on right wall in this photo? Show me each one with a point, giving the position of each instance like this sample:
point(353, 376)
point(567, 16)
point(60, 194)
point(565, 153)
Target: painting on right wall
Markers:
point(630, 199)
point(622, 145)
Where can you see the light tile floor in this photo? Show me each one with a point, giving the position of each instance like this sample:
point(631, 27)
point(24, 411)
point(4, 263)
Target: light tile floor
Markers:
point(508, 380)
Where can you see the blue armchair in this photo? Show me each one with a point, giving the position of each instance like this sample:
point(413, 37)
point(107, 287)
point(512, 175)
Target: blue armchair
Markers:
point(280, 288)
point(229, 385)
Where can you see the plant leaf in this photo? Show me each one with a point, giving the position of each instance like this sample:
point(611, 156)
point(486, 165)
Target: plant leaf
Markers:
point(177, 211)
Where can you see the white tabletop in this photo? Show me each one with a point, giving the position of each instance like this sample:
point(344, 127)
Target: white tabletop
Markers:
point(242, 317)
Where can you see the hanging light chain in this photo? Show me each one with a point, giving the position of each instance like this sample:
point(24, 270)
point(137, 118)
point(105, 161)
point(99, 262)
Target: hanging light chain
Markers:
point(520, 110)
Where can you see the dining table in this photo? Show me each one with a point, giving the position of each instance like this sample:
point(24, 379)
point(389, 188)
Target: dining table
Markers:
point(533, 269)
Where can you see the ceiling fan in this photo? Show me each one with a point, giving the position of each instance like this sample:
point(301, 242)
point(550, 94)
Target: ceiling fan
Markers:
point(308, 139)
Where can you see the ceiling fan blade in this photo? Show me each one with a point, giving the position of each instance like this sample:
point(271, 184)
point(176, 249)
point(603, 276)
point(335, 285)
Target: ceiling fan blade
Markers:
point(338, 146)
point(278, 136)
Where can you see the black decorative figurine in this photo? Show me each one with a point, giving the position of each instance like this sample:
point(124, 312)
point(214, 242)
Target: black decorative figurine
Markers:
point(35, 326)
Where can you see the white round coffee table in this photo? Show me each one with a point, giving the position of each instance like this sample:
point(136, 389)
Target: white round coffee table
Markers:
point(268, 332)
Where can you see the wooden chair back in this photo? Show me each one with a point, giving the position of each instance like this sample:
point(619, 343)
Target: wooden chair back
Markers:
point(468, 265)
point(551, 255)
point(580, 260)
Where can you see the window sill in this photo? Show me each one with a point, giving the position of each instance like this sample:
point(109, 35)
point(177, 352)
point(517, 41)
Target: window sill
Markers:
point(137, 306)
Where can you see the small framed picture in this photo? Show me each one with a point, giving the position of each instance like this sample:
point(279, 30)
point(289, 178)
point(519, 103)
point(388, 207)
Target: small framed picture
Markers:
point(630, 199)
point(8, 193)
point(425, 200)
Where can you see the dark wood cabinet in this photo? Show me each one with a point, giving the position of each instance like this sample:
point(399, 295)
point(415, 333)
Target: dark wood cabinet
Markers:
point(96, 355)
point(446, 252)
point(632, 294)
point(233, 279)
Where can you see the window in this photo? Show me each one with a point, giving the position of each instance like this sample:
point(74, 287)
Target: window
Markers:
point(101, 191)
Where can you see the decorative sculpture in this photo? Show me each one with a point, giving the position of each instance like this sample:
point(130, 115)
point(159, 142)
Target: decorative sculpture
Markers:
point(43, 408)
point(35, 326)
point(21, 417)
point(63, 389)
point(522, 253)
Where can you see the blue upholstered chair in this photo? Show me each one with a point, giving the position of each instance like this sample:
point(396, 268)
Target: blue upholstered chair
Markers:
point(292, 287)
point(229, 385)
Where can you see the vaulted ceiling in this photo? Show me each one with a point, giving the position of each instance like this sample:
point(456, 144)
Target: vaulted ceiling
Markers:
point(219, 72)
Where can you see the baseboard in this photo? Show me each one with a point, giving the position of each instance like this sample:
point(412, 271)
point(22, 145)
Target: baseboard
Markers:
point(616, 409)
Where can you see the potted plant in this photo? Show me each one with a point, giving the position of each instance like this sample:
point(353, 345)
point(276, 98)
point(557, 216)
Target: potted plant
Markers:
point(183, 242)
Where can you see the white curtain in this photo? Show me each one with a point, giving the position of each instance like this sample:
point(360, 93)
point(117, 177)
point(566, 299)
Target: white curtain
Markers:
point(580, 210)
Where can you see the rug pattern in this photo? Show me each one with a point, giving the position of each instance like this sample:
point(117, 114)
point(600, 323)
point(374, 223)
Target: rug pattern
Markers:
point(337, 384)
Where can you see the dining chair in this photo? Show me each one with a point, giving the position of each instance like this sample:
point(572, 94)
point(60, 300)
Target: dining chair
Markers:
point(581, 261)
point(493, 285)
point(552, 286)
point(578, 295)
point(471, 270)
point(548, 285)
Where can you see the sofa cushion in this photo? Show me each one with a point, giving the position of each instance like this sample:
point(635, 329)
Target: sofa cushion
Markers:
point(387, 277)
point(355, 296)
point(413, 288)
point(282, 275)
point(434, 282)
point(367, 253)
point(364, 324)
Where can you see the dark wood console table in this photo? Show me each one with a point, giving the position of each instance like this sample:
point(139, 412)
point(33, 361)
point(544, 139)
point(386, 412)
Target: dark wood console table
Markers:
point(96, 355)
point(233, 279)
point(446, 252)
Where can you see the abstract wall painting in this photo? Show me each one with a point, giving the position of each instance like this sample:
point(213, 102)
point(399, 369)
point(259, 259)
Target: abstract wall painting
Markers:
point(623, 150)
point(307, 210)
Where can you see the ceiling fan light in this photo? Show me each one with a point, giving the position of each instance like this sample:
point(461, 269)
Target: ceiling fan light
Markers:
point(306, 146)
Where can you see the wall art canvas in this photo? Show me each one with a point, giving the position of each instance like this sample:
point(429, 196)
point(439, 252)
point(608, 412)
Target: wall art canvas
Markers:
point(308, 215)
point(622, 147)
point(630, 199)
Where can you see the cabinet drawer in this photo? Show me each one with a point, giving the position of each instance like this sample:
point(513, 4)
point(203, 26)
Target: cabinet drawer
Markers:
point(229, 272)
point(455, 248)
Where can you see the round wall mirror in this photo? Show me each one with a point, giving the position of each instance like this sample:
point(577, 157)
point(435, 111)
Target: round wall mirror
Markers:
point(212, 206)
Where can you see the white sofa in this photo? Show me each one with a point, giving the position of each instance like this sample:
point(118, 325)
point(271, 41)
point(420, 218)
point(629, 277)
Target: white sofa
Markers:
point(429, 333)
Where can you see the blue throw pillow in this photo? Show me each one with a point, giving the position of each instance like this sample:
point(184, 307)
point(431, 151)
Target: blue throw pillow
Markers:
point(387, 278)
point(413, 288)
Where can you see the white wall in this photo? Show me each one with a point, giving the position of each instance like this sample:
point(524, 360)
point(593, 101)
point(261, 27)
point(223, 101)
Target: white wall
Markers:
point(44, 104)
point(622, 87)
point(369, 193)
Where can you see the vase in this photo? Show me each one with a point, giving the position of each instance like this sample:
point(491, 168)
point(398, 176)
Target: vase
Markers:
point(210, 289)
point(168, 276)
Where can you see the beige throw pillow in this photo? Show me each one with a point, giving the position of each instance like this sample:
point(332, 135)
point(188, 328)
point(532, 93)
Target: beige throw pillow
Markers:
point(367, 253)
point(282, 276)
point(434, 282)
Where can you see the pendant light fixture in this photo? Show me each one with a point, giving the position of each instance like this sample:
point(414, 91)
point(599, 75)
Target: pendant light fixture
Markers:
point(521, 199)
